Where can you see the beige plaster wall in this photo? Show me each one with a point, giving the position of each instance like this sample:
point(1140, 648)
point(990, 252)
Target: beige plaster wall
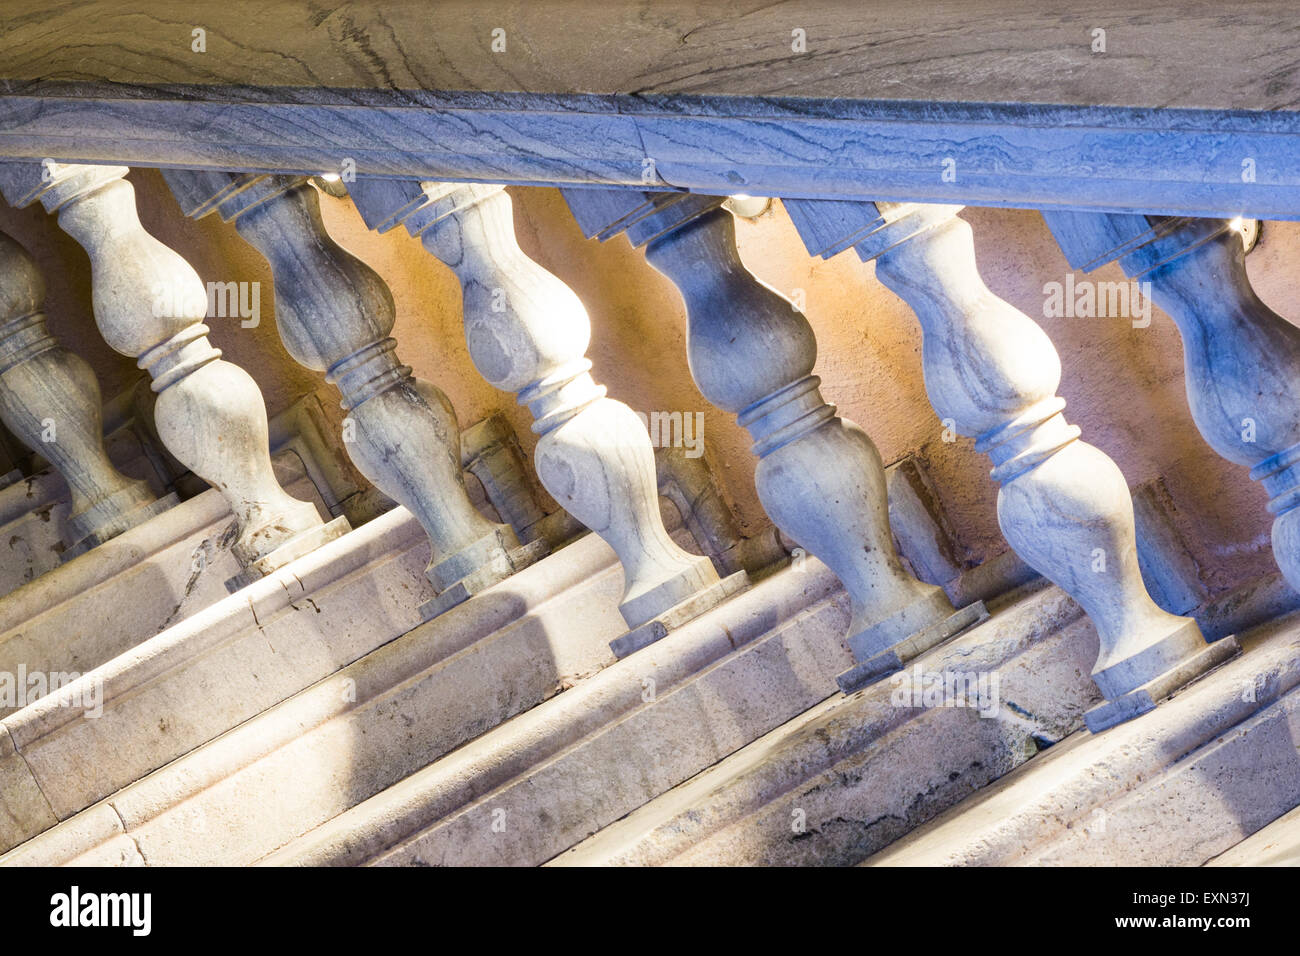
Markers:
point(1124, 386)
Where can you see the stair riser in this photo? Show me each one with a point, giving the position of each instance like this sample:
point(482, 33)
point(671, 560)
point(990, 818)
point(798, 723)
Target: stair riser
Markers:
point(572, 729)
point(23, 808)
point(653, 750)
point(1219, 796)
point(224, 659)
point(1175, 786)
point(84, 614)
point(33, 541)
point(1277, 844)
point(849, 778)
point(374, 721)
point(360, 752)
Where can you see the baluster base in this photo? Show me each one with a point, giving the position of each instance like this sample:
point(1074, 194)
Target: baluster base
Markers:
point(697, 575)
point(492, 563)
point(108, 519)
point(1145, 698)
point(879, 658)
point(657, 628)
point(304, 542)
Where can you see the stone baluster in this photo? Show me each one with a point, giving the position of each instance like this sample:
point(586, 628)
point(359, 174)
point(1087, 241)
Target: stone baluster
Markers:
point(50, 401)
point(992, 373)
point(335, 315)
point(819, 477)
point(1241, 359)
point(490, 452)
point(149, 304)
point(527, 333)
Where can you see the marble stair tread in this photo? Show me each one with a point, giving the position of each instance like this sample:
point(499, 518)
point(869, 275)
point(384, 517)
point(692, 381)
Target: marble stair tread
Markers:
point(32, 516)
point(374, 715)
point(34, 512)
point(1175, 787)
point(1277, 844)
point(195, 680)
point(545, 780)
point(152, 577)
point(852, 773)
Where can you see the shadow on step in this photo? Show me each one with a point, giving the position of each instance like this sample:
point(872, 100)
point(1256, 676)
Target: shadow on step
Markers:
point(1174, 787)
point(852, 774)
point(218, 711)
point(87, 612)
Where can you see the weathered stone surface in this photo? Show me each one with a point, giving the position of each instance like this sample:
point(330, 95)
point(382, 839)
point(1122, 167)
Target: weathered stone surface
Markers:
point(23, 808)
point(852, 774)
point(656, 629)
point(105, 602)
point(898, 653)
point(615, 741)
point(32, 514)
point(361, 728)
point(239, 656)
point(1177, 786)
point(1277, 844)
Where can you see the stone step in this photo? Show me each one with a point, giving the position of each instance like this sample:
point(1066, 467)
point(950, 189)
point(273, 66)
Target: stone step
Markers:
point(384, 695)
point(851, 774)
point(99, 605)
point(1277, 844)
point(33, 512)
point(545, 780)
point(1176, 787)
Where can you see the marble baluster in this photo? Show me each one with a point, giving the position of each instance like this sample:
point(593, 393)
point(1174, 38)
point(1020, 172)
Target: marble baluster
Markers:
point(1063, 505)
point(819, 476)
point(50, 401)
point(149, 304)
point(527, 333)
point(335, 315)
point(1241, 359)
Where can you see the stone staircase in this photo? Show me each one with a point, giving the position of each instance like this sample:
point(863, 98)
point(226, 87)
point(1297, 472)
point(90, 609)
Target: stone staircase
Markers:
point(312, 719)
point(421, 655)
point(845, 784)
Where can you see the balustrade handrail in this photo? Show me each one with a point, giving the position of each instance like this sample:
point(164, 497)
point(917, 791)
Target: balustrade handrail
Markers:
point(987, 103)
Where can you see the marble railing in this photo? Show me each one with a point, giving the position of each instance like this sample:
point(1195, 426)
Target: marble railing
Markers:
point(990, 372)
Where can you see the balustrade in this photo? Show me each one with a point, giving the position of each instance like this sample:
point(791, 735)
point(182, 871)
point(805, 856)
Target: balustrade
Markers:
point(819, 476)
point(149, 304)
point(1241, 359)
point(992, 373)
point(527, 333)
point(335, 315)
point(49, 400)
